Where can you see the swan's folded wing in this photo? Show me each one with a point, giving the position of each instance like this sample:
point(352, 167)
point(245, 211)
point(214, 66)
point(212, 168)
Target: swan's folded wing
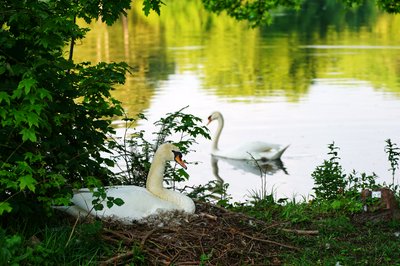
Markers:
point(138, 203)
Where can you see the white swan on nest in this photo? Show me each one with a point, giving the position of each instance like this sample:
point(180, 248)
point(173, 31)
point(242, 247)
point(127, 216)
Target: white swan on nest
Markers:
point(139, 202)
point(256, 150)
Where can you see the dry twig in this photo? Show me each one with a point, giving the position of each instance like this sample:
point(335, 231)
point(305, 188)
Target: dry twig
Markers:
point(301, 232)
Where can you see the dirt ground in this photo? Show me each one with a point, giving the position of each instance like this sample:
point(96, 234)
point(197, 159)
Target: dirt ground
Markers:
point(212, 236)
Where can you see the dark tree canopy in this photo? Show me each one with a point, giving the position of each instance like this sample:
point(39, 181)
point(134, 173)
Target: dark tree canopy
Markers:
point(258, 12)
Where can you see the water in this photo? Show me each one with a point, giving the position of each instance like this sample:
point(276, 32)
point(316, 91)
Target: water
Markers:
point(298, 83)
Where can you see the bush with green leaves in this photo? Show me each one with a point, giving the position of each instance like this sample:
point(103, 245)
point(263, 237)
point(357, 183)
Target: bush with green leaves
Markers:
point(336, 190)
point(133, 152)
point(55, 114)
point(329, 178)
point(393, 153)
point(10, 246)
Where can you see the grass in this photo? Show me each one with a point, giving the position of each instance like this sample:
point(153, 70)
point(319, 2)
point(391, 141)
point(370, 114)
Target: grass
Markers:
point(53, 244)
point(341, 239)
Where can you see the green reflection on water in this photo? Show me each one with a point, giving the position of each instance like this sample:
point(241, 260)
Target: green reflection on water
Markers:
point(322, 41)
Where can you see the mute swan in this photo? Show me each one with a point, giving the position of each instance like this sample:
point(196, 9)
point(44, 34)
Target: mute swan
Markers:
point(256, 150)
point(139, 202)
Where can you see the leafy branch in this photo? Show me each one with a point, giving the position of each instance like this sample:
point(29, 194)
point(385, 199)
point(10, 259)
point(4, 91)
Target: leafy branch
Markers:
point(393, 153)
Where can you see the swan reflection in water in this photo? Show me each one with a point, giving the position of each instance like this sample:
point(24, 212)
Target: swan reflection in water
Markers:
point(261, 169)
point(217, 190)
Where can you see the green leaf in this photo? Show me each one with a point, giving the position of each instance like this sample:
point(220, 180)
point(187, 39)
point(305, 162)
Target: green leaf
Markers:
point(5, 207)
point(4, 97)
point(19, 117)
point(2, 69)
point(27, 84)
point(28, 134)
point(3, 116)
point(119, 201)
point(98, 207)
point(336, 204)
point(62, 201)
point(183, 173)
point(149, 5)
point(109, 162)
point(93, 182)
point(27, 181)
point(43, 93)
point(33, 119)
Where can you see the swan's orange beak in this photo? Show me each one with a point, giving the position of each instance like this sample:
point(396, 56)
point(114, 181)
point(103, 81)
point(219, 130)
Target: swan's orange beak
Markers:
point(178, 159)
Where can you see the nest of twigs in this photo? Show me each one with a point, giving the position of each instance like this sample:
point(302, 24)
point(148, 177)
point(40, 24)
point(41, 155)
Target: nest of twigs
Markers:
point(212, 236)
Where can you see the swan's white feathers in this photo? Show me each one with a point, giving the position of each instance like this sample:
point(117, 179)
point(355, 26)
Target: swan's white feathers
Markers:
point(139, 202)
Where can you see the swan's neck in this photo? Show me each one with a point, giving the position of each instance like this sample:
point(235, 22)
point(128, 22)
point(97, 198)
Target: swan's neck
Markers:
point(154, 185)
point(154, 182)
point(220, 121)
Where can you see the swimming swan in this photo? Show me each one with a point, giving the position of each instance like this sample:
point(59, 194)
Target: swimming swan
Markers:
point(256, 150)
point(139, 202)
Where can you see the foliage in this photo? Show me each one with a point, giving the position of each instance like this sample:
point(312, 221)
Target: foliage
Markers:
point(57, 244)
point(134, 151)
point(297, 212)
point(390, 6)
point(55, 113)
point(393, 153)
point(100, 195)
point(258, 12)
point(335, 193)
point(340, 241)
point(214, 191)
point(329, 178)
point(334, 190)
point(149, 5)
point(9, 248)
point(261, 208)
point(204, 258)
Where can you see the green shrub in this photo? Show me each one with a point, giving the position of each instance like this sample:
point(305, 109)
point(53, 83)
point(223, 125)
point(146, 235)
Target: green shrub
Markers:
point(329, 178)
point(393, 153)
point(133, 152)
point(337, 191)
point(55, 113)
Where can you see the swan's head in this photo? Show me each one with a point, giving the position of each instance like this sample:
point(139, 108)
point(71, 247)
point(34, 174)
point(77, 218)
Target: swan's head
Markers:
point(170, 152)
point(214, 116)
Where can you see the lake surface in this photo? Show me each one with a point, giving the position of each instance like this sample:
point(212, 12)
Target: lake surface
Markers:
point(318, 76)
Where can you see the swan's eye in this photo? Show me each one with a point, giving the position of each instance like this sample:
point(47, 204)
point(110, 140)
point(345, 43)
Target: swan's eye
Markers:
point(177, 154)
point(209, 118)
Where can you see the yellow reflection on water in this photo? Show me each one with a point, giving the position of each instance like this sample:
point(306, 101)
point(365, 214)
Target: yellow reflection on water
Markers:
point(236, 62)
